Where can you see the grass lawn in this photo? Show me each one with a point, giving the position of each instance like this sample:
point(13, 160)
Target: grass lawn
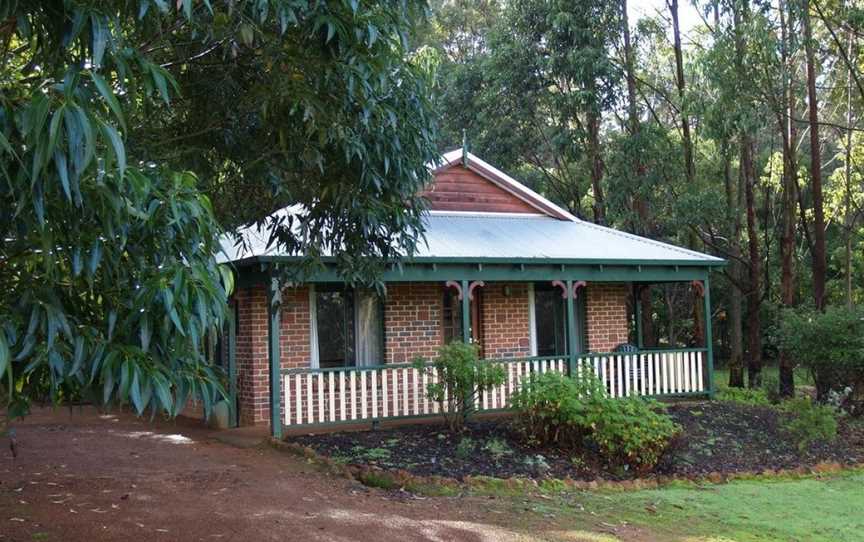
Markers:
point(812, 509)
point(769, 372)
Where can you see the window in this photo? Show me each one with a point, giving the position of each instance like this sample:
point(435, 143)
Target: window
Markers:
point(549, 321)
point(347, 327)
point(451, 316)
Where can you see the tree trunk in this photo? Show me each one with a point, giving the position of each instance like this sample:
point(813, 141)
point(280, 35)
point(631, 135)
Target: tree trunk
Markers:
point(632, 115)
point(687, 141)
point(819, 258)
point(849, 219)
point(689, 167)
point(733, 215)
point(596, 160)
point(649, 336)
point(790, 180)
point(747, 178)
point(754, 294)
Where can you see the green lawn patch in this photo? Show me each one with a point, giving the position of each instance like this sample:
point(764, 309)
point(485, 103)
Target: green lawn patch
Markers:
point(824, 508)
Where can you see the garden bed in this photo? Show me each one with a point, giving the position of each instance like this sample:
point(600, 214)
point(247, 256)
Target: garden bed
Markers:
point(717, 437)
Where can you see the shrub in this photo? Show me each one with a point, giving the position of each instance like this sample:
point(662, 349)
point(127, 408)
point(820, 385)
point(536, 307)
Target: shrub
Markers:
point(810, 422)
point(554, 409)
point(575, 412)
point(497, 448)
point(462, 377)
point(634, 432)
point(465, 448)
point(831, 345)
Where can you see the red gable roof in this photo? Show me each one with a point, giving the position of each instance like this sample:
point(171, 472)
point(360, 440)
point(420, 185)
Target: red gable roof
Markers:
point(465, 183)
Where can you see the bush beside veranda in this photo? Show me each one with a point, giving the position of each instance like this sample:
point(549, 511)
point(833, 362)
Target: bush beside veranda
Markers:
point(830, 345)
point(461, 377)
point(576, 413)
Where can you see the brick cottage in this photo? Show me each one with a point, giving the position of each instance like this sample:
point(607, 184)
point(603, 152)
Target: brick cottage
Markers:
point(534, 287)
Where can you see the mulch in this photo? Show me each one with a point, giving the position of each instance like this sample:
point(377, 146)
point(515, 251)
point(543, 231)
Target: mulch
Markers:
point(717, 437)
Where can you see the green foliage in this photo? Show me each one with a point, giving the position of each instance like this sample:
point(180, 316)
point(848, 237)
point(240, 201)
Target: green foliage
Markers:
point(461, 378)
point(744, 396)
point(577, 413)
point(810, 422)
point(497, 448)
point(831, 345)
point(107, 263)
point(465, 448)
point(633, 432)
point(556, 409)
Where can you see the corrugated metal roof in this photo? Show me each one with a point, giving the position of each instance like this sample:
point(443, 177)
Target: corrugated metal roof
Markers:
point(540, 237)
point(489, 236)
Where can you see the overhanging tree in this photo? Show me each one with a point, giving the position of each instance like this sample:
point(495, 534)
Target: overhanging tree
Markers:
point(107, 259)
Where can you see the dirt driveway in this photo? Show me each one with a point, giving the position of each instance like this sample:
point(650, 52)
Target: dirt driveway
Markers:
point(85, 476)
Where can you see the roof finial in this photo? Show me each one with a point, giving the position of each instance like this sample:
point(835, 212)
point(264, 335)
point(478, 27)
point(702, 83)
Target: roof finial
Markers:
point(464, 148)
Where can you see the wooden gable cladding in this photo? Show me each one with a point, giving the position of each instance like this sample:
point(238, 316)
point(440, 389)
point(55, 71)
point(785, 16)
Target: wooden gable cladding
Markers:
point(459, 189)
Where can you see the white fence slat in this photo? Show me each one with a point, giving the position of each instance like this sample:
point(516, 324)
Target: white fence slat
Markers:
point(406, 407)
point(701, 383)
point(286, 385)
point(395, 392)
point(298, 398)
point(331, 378)
point(686, 367)
point(342, 416)
point(628, 376)
point(619, 376)
point(310, 410)
point(374, 393)
point(363, 395)
point(502, 401)
point(320, 392)
point(352, 379)
point(385, 397)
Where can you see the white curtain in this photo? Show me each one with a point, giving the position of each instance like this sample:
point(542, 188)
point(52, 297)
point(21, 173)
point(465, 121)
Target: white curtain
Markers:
point(370, 329)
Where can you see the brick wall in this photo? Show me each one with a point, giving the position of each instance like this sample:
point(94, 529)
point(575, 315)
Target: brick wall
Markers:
point(412, 321)
point(294, 343)
point(253, 379)
point(506, 330)
point(607, 315)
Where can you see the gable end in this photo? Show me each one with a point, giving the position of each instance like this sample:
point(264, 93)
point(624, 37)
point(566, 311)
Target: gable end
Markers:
point(457, 188)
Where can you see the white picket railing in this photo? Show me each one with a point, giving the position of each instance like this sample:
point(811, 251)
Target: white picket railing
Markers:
point(351, 394)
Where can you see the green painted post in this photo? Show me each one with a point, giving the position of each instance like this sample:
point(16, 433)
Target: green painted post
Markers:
point(274, 302)
point(571, 330)
point(709, 340)
point(637, 315)
point(466, 314)
point(232, 366)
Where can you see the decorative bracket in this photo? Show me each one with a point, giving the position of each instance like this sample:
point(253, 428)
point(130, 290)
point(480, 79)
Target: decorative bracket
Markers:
point(563, 285)
point(576, 285)
point(473, 285)
point(456, 285)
